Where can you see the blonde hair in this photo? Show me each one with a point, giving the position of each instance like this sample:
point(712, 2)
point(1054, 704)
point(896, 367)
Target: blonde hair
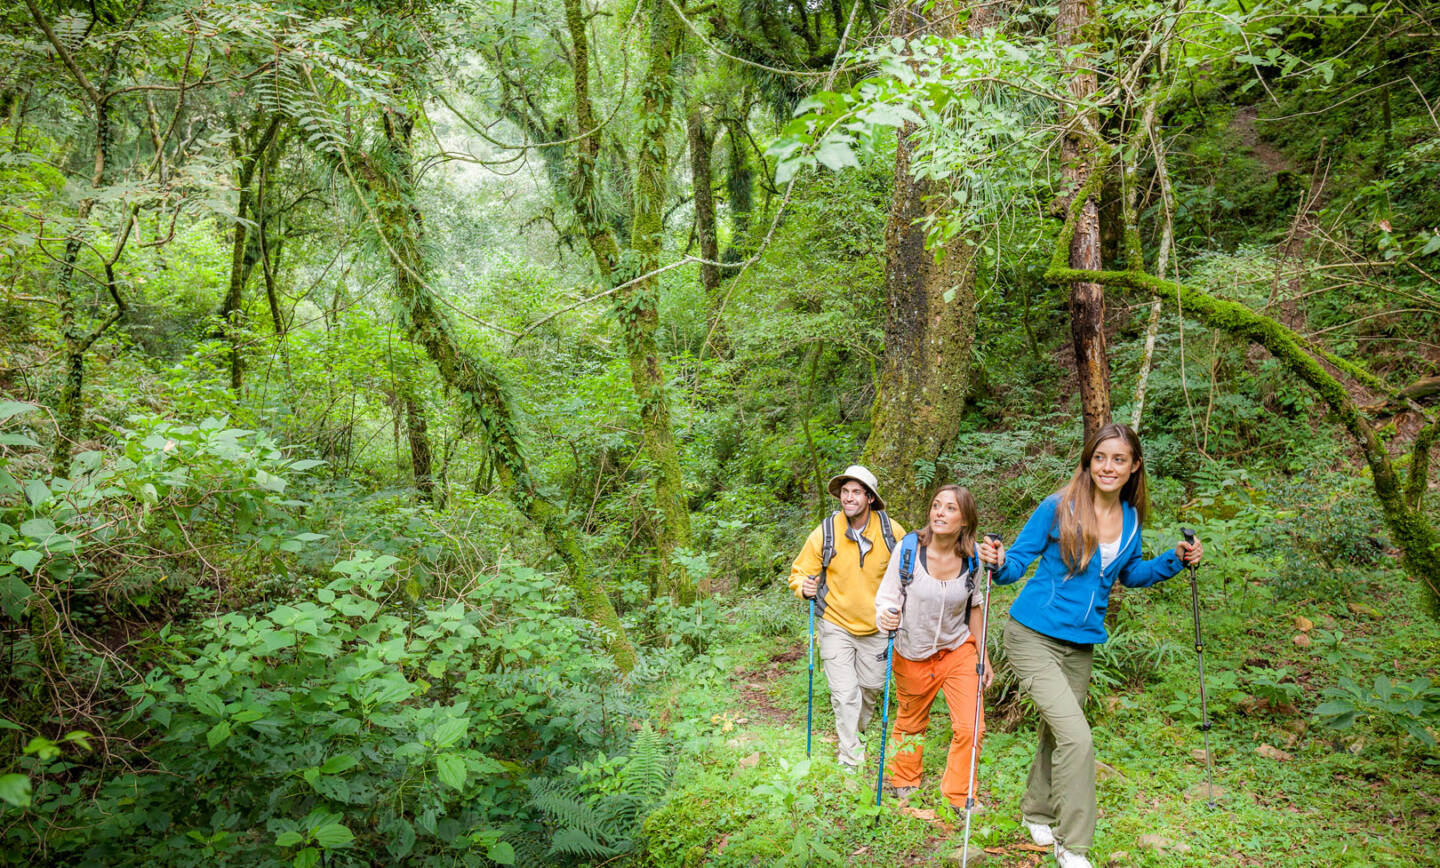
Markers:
point(1075, 514)
point(965, 542)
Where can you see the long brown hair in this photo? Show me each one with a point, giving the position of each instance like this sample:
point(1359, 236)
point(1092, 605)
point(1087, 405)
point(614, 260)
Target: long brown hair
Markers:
point(1075, 514)
point(965, 542)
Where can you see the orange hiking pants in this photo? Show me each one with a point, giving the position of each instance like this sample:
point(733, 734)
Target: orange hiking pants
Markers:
point(917, 683)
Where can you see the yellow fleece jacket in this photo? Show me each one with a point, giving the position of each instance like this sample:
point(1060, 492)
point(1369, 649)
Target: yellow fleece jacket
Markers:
point(848, 598)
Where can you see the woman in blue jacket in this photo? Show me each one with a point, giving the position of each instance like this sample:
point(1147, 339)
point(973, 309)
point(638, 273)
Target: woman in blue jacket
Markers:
point(1086, 537)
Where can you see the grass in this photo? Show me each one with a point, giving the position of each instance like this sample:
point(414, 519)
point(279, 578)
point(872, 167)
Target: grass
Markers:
point(1362, 797)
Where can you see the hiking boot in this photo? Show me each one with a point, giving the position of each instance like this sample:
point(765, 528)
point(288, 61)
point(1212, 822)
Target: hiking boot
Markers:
point(1067, 859)
point(1040, 833)
point(901, 793)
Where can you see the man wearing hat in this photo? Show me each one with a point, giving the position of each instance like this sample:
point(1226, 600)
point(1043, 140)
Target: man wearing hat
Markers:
point(840, 568)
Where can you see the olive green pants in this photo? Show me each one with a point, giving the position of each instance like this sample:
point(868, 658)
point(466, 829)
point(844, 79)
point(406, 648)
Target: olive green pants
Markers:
point(1061, 790)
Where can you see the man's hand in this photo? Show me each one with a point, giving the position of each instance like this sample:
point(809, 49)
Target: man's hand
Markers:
point(809, 587)
point(889, 621)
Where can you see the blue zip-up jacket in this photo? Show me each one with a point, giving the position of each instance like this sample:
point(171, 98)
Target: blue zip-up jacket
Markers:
point(1072, 607)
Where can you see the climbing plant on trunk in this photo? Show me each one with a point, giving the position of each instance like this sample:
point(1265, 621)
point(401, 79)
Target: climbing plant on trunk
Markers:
point(386, 177)
point(636, 305)
point(929, 316)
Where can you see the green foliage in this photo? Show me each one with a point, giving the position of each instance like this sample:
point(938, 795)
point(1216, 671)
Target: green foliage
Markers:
point(1394, 710)
point(595, 812)
point(349, 720)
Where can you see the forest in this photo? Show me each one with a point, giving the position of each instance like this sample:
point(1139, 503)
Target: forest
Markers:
point(410, 412)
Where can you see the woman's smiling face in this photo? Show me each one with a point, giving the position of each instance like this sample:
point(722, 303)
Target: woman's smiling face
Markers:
point(1112, 465)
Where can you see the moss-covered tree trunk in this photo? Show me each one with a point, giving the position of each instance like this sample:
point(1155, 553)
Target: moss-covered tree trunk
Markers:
point(701, 139)
point(389, 179)
point(637, 306)
point(739, 186)
point(232, 310)
point(1076, 25)
point(929, 324)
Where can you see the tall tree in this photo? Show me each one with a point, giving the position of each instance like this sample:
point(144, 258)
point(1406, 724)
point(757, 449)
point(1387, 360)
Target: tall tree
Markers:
point(98, 99)
point(637, 305)
point(249, 148)
point(387, 176)
point(1076, 33)
point(929, 313)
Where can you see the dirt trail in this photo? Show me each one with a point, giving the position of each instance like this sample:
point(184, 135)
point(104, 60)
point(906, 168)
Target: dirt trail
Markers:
point(1269, 156)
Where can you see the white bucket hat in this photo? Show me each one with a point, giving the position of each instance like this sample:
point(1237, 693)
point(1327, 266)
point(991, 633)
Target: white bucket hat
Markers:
point(860, 475)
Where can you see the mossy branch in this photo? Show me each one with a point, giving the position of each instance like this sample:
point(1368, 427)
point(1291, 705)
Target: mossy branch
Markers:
point(1408, 527)
point(1420, 465)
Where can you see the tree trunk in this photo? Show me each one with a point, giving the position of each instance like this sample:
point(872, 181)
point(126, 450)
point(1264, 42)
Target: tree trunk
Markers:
point(416, 433)
point(1076, 25)
point(739, 186)
point(702, 141)
point(637, 307)
point(929, 325)
point(481, 388)
point(232, 312)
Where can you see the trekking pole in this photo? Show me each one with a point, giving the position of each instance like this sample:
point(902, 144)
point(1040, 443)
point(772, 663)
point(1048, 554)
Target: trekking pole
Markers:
point(810, 691)
point(993, 539)
point(885, 710)
point(1200, 659)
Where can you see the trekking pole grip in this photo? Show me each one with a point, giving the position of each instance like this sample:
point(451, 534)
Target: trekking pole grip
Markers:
point(994, 540)
point(894, 611)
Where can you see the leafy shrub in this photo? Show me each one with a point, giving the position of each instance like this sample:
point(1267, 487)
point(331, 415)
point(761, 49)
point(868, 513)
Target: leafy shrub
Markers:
point(1397, 710)
point(345, 724)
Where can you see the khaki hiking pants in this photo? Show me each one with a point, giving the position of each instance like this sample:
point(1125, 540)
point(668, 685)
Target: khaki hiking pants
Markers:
point(1061, 790)
point(855, 676)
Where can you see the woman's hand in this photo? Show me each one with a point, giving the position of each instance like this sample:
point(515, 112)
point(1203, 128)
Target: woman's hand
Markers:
point(989, 674)
point(1190, 554)
point(992, 553)
point(889, 620)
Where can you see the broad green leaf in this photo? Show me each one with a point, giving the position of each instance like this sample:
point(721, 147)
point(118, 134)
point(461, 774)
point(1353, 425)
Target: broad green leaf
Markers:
point(340, 763)
point(450, 731)
point(15, 789)
point(288, 839)
point(37, 492)
point(27, 559)
point(206, 702)
point(18, 440)
point(451, 770)
point(38, 528)
point(836, 155)
point(15, 408)
point(218, 733)
point(306, 464)
point(501, 853)
point(333, 835)
point(307, 858)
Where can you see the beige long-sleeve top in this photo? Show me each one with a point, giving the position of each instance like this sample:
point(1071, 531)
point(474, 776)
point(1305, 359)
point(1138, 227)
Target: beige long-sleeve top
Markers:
point(934, 617)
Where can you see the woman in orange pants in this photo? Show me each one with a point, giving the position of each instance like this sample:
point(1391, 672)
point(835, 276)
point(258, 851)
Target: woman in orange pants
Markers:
point(932, 596)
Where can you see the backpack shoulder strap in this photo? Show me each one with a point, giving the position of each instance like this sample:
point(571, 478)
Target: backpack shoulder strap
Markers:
point(908, 548)
point(886, 531)
point(827, 544)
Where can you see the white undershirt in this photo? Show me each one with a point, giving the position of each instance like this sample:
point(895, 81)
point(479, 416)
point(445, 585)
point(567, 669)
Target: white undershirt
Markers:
point(1108, 551)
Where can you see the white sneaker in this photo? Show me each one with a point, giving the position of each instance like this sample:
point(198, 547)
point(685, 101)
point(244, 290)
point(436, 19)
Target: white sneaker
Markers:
point(1067, 859)
point(1040, 834)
